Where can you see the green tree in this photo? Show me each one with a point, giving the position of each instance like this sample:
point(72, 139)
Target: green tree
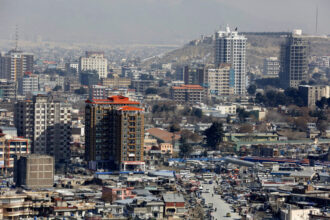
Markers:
point(214, 135)
point(252, 89)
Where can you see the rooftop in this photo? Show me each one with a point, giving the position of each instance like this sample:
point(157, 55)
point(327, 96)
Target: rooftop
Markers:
point(113, 100)
point(163, 134)
point(173, 197)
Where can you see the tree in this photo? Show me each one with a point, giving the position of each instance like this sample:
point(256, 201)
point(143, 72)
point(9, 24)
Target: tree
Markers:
point(252, 89)
point(185, 148)
point(197, 112)
point(322, 125)
point(301, 123)
point(214, 135)
point(242, 114)
point(322, 103)
point(174, 127)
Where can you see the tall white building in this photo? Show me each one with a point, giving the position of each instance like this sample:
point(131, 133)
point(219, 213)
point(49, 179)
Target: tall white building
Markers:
point(230, 48)
point(94, 61)
point(47, 123)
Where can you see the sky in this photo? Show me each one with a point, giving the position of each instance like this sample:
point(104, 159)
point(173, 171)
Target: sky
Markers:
point(154, 21)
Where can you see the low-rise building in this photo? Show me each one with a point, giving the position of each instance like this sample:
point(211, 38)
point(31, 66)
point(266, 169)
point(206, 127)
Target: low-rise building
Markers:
point(174, 205)
point(188, 94)
point(111, 194)
point(226, 109)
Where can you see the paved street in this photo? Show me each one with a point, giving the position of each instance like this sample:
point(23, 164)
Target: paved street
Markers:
point(222, 207)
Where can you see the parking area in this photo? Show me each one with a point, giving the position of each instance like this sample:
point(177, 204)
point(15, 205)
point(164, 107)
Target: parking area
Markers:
point(221, 208)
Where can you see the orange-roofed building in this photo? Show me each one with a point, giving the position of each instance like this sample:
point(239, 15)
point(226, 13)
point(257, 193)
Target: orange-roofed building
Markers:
point(114, 134)
point(188, 94)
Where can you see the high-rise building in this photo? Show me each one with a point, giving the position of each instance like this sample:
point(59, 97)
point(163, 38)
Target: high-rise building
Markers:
point(94, 61)
point(114, 134)
point(311, 94)
point(28, 84)
point(220, 81)
point(47, 123)
point(271, 67)
point(34, 171)
point(8, 89)
point(194, 74)
point(230, 48)
point(14, 64)
point(294, 60)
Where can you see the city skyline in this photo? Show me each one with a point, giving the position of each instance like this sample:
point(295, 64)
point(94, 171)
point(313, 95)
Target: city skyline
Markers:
point(129, 22)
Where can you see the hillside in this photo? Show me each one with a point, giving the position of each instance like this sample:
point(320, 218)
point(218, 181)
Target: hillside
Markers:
point(259, 46)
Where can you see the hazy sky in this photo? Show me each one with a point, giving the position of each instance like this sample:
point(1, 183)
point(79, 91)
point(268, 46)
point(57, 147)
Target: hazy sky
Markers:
point(154, 21)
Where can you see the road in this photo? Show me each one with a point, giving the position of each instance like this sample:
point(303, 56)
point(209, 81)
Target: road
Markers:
point(222, 207)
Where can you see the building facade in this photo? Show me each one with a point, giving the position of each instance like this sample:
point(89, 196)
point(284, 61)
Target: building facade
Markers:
point(114, 134)
point(34, 171)
point(230, 48)
point(221, 81)
point(8, 89)
point(28, 84)
point(294, 60)
point(311, 94)
point(271, 67)
point(188, 94)
point(11, 147)
point(47, 123)
point(94, 61)
point(194, 74)
point(117, 82)
point(14, 64)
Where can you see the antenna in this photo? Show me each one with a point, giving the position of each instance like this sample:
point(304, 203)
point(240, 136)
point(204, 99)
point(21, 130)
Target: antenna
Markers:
point(316, 18)
point(16, 38)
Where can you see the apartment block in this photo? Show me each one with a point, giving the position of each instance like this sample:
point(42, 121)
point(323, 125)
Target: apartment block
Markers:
point(34, 171)
point(28, 84)
point(188, 94)
point(8, 89)
point(221, 81)
point(11, 147)
point(94, 61)
point(47, 123)
point(116, 82)
point(311, 94)
point(14, 64)
point(294, 60)
point(194, 74)
point(230, 48)
point(271, 67)
point(114, 134)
